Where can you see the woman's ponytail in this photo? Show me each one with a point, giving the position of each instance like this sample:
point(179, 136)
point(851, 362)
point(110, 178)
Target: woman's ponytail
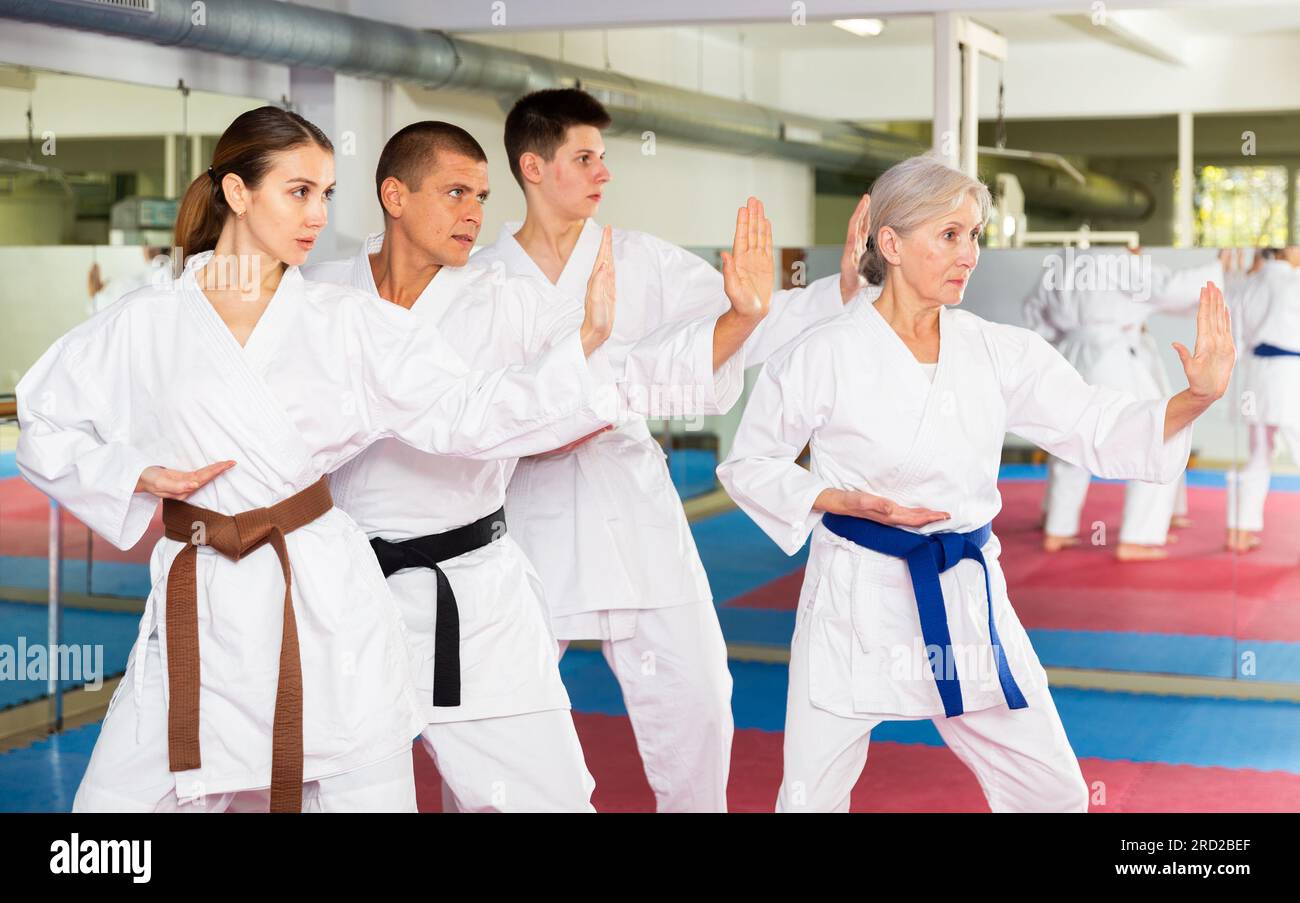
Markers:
point(200, 218)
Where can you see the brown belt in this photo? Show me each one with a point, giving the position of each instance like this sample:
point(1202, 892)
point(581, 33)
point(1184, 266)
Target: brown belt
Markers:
point(235, 537)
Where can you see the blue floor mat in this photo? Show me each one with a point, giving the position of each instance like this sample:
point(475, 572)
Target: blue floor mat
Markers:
point(738, 556)
point(43, 777)
point(692, 471)
point(1211, 479)
point(107, 578)
point(1149, 653)
point(114, 632)
point(1138, 727)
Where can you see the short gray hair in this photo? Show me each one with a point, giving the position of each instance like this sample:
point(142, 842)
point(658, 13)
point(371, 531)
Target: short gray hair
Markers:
point(910, 193)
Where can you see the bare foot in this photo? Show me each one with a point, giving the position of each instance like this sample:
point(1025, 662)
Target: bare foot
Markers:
point(1243, 541)
point(1131, 551)
point(1056, 543)
point(1180, 522)
point(1171, 537)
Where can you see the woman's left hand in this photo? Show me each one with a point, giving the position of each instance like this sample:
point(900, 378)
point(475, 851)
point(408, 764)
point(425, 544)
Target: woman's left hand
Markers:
point(1209, 367)
point(875, 507)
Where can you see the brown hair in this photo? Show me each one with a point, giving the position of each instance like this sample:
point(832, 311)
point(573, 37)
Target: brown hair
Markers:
point(411, 152)
point(246, 148)
point(538, 122)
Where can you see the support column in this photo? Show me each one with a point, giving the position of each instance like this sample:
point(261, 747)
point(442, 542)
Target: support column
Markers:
point(970, 110)
point(197, 161)
point(171, 175)
point(947, 87)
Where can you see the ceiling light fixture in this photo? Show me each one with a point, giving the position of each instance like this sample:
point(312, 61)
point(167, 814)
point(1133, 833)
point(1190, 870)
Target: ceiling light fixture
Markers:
point(863, 28)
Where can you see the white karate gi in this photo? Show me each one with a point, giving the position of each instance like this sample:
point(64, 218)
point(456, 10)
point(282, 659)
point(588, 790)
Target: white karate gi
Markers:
point(508, 659)
point(878, 425)
point(157, 272)
point(604, 524)
point(1101, 332)
point(159, 379)
point(1270, 386)
point(1149, 350)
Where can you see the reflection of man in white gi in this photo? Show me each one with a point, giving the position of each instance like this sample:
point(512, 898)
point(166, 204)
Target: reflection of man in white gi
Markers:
point(1097, 317)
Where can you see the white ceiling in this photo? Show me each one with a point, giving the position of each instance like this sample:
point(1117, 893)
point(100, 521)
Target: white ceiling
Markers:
point(1025, 19)
point(1224, 18)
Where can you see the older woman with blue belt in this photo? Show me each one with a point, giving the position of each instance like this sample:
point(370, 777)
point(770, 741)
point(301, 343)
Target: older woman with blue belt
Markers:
point(906, 400)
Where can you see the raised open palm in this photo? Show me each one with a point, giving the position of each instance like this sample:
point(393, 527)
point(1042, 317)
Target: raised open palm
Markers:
point(599, 304)
point(750, 269)
point(855, 243)
point(1209, 367)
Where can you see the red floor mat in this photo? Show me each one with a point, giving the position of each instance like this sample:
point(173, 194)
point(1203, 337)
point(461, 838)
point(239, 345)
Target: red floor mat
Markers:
point(909, 778)
point(24, 528)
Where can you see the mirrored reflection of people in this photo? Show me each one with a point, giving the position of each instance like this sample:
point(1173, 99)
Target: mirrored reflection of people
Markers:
point(1099, 325)
point(104, 294)
point(1269, 394)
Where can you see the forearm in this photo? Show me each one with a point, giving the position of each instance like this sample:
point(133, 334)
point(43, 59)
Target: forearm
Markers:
point(509, 412)
point(830, 501)
point(729, 334)
point(592, 338)
point(1182, 409)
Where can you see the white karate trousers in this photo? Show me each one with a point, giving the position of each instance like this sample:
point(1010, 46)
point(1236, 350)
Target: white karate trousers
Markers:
point(129, 773)
point(671, 664)
point(1022, 758)
point(515, 763)
point(1148, 507)
point(1248, 487)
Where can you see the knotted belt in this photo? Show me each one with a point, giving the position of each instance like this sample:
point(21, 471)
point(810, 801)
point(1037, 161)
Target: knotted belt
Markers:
point(429, 552)
point(927, 556)
point(1264, 349)
point(235, 537)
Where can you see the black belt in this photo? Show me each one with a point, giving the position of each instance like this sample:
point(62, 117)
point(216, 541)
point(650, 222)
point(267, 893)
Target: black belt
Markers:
point(429, 552)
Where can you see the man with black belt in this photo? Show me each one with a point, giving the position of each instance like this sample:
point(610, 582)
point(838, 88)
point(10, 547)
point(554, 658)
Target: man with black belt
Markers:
point(499, 727)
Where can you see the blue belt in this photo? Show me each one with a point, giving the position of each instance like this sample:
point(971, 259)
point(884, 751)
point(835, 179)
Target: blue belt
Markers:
point(927, 556)
point(1266, 350)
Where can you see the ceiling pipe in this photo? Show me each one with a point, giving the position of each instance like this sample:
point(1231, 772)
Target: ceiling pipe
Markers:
point(294, 35)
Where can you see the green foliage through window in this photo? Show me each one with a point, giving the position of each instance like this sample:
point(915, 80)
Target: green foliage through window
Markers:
point(1240, 206)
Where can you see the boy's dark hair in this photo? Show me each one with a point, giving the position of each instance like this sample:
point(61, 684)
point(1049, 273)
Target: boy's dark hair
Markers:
point(538, 122)
point(409, 155)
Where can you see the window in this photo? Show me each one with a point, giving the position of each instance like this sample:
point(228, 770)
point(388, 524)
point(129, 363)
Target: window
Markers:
point(1240, 206)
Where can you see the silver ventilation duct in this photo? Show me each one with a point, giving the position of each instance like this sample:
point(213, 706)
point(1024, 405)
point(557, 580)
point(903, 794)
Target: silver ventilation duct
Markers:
point(288, 34)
